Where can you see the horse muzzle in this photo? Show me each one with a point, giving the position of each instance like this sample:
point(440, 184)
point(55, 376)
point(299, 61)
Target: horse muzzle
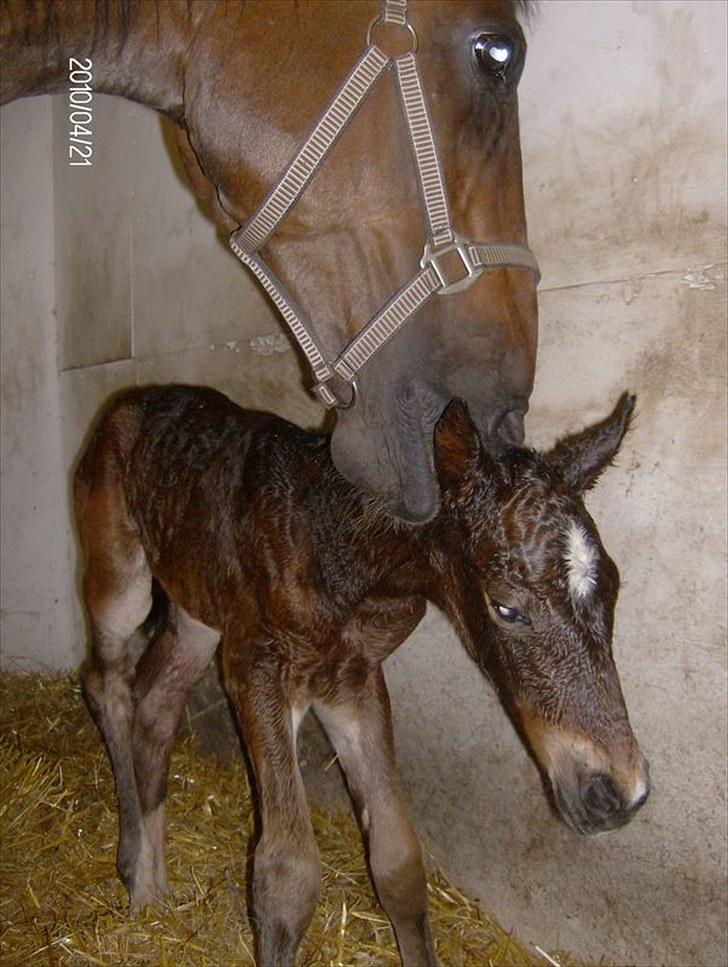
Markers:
point(596, 802)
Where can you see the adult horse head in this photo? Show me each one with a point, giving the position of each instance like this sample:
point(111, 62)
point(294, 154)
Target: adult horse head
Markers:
point(355, 236)
point(246, 82)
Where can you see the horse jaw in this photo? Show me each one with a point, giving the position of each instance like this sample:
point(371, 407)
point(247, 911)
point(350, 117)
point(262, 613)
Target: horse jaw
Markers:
point(383, 445)
point(387, 449)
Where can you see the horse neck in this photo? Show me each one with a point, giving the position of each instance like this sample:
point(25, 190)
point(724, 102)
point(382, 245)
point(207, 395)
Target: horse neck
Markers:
point(137, 47)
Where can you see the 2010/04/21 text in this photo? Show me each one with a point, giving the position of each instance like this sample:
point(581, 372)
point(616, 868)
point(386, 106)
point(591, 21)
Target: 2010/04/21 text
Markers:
point(80, 100)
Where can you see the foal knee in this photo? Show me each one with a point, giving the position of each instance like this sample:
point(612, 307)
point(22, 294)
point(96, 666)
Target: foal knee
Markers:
point(286, 889)
point(399, 873)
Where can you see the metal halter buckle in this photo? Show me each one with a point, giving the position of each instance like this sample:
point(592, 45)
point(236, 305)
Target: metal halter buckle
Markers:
point(329, 392)
point(444, 267)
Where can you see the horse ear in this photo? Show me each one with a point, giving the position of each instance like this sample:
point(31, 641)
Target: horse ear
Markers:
point(580, 459)
point(458, 450)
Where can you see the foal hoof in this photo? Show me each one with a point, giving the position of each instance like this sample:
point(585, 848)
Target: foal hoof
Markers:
point(141, 898)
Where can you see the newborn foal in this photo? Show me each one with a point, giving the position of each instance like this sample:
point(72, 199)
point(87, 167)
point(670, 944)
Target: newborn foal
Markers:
point(252, 539)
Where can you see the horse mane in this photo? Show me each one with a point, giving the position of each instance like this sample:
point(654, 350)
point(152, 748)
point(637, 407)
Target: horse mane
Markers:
point(44, 23)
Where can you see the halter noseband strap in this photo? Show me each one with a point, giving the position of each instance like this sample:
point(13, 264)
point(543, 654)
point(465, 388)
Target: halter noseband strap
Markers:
point(449, 263)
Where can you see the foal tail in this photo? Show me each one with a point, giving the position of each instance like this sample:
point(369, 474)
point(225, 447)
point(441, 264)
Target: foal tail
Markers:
point(158, 619)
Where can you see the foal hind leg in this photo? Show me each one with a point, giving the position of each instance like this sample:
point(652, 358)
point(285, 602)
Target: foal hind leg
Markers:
point(117, 594)
point(175, 660)
point(359, 725)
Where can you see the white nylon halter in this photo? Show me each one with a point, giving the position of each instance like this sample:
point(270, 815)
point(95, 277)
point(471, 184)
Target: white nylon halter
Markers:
point(336, 379)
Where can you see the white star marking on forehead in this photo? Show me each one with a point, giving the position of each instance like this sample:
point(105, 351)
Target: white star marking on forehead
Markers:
point(581, 562)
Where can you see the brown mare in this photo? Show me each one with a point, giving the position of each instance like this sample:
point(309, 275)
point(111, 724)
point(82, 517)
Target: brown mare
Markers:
point(254, 541)
point(245, 82)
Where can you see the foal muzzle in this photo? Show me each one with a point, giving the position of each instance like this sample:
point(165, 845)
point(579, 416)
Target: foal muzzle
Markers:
point(596, 803)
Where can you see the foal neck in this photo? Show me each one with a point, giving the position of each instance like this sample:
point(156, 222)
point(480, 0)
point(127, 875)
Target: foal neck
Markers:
point(137, 49)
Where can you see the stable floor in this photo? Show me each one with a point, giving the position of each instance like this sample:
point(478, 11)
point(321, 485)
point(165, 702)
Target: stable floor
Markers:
point(61, 901)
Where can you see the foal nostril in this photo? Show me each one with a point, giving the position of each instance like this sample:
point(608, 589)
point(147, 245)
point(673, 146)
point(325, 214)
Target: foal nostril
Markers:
point(640, 800)
point(601, 797)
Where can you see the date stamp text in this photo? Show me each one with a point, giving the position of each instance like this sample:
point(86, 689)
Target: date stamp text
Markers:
point(80, 116)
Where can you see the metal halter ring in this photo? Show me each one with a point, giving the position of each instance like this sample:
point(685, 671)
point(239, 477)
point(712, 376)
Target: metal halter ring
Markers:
point(407, 26)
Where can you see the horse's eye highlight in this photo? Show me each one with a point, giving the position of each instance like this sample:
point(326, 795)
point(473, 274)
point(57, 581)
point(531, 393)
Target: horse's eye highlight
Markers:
point(509, 614)
point(495, 54)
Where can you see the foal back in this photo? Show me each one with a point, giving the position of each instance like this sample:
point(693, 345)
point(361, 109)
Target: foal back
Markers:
point(183, 474)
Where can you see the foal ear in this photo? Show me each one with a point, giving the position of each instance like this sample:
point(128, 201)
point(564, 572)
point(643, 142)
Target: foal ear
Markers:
point(458, 449)
point(580, 459)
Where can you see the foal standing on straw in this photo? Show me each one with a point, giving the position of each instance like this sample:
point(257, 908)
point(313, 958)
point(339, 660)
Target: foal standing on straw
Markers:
point(252, 540)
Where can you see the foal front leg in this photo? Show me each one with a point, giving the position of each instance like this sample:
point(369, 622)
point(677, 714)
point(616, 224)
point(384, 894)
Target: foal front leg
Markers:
point(287, 869)
point(359, 725)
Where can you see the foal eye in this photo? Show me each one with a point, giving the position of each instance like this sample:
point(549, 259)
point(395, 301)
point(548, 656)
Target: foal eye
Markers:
point(495, 54)
point(510, 614)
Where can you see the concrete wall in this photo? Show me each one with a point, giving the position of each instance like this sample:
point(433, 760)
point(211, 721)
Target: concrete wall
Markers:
point(623, 117)
point(36, 544)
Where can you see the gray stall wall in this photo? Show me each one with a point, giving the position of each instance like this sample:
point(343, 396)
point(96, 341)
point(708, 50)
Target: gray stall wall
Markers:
point(111, 276)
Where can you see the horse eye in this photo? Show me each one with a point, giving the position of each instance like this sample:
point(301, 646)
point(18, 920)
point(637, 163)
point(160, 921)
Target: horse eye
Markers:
point(495, 54)
point(510, 614)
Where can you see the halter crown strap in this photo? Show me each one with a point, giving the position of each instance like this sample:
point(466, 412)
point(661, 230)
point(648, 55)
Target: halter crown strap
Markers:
point(449, 263)
point(394, 12)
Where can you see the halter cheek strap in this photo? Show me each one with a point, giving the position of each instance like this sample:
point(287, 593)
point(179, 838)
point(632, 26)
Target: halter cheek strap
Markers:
point(449, 263)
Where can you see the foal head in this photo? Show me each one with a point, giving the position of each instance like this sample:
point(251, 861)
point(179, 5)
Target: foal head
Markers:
point(540, 609)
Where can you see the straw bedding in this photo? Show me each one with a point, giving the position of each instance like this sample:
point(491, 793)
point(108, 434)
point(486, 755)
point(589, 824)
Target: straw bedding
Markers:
point(61, 901)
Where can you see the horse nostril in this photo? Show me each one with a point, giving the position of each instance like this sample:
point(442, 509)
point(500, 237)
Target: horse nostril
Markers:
point(601, 797)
